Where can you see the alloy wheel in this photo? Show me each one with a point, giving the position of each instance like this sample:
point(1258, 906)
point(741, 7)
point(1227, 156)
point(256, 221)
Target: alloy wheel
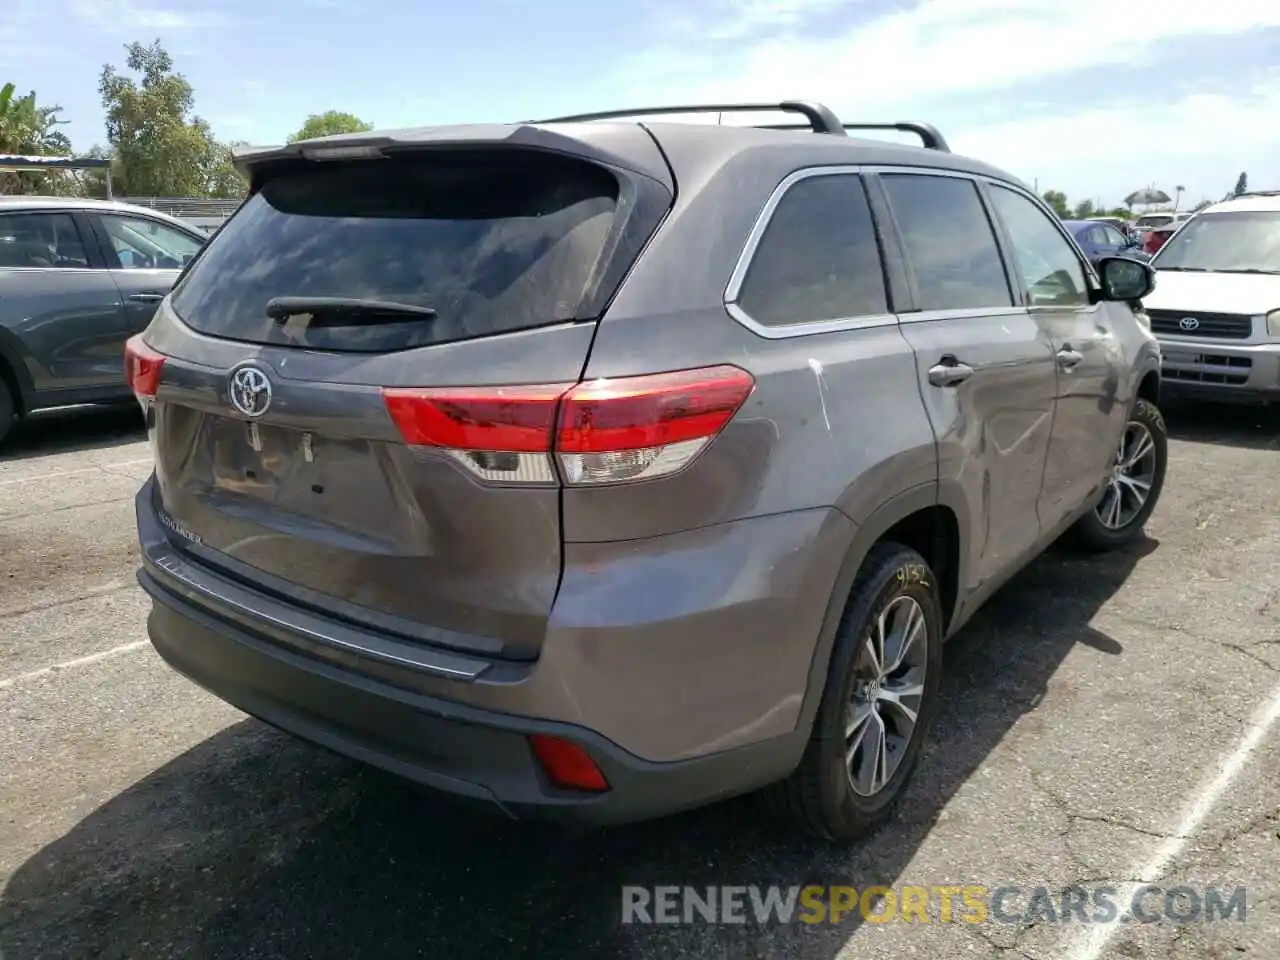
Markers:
point(888, 687)
point(1132, 475)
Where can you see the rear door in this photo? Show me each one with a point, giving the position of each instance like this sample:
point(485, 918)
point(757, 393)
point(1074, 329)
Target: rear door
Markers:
point(56, 300)
point(1114, 242)
point(393, 469)
point(1089, 355)
point(145, 256)
point(1093, 242)
point(985, 365)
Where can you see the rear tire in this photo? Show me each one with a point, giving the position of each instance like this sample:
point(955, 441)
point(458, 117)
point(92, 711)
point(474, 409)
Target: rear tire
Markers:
point(839, 792)
point(1117, 523)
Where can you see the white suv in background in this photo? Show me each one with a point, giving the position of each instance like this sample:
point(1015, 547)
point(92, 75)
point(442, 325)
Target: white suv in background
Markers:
point(1216, 305)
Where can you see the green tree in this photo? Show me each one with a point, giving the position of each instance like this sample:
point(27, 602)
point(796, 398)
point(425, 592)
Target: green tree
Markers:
point(1058, 201)
point(1084, 210)
point(328, 123)
point(224, 181)
point(30, 129)
point(1242, 184)
point(160, 146)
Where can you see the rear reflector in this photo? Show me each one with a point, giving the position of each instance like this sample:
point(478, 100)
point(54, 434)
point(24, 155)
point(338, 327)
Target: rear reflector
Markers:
point(566, 764)
point(142, 367)
point(604, 431)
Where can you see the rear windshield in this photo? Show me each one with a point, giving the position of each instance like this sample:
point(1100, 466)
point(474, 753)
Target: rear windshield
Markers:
point(1157, 220)
point(493, 241)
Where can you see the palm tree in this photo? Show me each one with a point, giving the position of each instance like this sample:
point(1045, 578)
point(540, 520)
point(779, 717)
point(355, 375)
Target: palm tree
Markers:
point(28, 129)
point(1177, 198)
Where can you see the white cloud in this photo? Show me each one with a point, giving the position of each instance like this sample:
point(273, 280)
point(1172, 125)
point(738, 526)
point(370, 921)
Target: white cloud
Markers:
point(130, 17)
point(938, 46)
point(1198, 126)
point(907, 63)
point(1202, 141)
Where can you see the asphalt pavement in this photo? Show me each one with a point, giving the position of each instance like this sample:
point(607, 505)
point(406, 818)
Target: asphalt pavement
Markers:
point(1107, 722)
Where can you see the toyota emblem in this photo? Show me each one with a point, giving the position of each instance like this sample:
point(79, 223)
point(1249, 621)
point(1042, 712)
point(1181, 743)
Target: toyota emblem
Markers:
point(1189, 323)
point(250, 391)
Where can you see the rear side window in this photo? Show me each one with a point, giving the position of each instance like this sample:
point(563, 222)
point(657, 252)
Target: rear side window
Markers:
point(949, 242)
point(41, 240)
point(818, 259)
point(493, 241)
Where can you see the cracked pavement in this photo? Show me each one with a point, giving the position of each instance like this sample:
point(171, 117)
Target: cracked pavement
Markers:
point(1083, 710)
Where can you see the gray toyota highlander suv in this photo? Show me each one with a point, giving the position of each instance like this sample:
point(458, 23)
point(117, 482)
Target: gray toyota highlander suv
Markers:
point(602, 467)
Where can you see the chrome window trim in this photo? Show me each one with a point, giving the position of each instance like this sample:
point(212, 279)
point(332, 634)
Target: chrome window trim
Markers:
point(734, 287)
point(60, 270)
point(964, 313)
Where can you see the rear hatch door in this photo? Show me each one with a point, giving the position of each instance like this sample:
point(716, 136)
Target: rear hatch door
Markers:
point(288, 392)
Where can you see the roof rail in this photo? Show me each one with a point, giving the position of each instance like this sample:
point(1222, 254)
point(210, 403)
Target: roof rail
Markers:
point(930, 136)
point(821, 118)
point(1255, 193)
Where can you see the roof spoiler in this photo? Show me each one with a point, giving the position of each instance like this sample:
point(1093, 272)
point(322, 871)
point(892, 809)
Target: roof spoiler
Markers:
point(250, 162)
point(821, 119)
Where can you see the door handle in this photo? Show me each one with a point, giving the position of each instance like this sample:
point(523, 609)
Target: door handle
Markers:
point(1068, 358)
point(146, 297)
point(949, 372)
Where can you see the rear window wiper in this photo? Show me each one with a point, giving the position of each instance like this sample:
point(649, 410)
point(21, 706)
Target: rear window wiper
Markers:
point(346, 311)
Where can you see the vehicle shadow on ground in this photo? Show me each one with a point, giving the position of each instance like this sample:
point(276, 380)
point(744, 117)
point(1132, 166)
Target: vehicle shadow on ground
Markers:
point(254, 845)
point(73, 429)
point(1253, 427)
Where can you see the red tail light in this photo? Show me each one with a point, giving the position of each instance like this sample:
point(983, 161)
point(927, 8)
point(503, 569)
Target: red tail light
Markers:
point(142, 367)
point(566, 764)
point(515, 419)
point(604, 431)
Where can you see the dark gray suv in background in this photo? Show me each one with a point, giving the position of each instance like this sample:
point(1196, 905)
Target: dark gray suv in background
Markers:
point(599, 467)
point(78, 278)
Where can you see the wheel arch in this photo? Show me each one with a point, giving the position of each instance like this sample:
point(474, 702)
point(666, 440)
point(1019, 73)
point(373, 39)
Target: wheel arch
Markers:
point(919, 511)
point(13, 371)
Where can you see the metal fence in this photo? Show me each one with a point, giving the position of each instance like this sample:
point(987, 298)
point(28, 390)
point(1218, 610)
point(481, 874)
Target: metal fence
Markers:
point(193, 207)
point(201, 212)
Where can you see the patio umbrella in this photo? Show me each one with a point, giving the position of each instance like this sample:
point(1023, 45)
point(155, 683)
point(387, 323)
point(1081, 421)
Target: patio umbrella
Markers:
point(1148, 195)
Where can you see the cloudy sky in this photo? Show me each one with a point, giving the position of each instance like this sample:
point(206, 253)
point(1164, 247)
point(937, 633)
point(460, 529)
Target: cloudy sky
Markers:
point(1092, 97)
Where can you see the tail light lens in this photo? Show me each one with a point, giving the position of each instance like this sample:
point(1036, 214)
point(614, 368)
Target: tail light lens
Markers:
point(142, 368)
point(604, 431)
point(640, 427)
point(501, 434)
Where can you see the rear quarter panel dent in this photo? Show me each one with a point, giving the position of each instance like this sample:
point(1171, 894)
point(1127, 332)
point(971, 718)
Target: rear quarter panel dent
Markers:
point(709, 632)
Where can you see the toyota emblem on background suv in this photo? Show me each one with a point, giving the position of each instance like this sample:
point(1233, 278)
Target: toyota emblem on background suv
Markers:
point(1189, 323)
point(250, 391)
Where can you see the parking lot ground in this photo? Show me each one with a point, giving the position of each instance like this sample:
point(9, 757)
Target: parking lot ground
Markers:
point(1106, 721)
